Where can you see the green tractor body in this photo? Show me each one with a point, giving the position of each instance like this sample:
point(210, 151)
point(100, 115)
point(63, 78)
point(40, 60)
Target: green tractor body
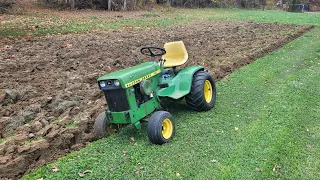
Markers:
point(127, 103)
point(136, 92)
point(139, 90)
point(179, 84)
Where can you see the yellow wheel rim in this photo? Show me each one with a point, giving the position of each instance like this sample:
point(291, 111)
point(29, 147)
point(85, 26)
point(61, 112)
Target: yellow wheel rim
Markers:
point(167, 128)
point(207, 89)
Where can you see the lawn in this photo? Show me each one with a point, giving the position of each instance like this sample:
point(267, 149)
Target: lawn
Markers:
point(41, 24)
point(264, 126)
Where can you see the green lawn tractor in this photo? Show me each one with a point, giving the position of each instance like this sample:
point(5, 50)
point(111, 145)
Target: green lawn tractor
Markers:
point(136, 94)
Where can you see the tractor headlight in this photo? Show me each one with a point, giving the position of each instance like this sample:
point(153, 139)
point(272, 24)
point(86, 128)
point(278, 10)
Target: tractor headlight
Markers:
point(102, 84)
point(116, 83)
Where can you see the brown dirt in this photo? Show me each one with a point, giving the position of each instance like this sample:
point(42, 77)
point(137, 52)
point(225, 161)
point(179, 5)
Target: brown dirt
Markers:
point(48, 92)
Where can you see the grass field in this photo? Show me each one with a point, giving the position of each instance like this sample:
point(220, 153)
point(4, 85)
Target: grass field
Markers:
point(264, 126)
point(40, 24)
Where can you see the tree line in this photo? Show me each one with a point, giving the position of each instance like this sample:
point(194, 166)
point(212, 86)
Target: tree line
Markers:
point(127, 5)
point(117, 5)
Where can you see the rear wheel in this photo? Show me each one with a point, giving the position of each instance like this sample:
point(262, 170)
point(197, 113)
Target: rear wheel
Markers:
point(202, 95)
point(161, 127)
point(101, 127)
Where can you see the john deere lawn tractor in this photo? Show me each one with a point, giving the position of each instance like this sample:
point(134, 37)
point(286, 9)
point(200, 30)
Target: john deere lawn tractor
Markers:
point(135, 94)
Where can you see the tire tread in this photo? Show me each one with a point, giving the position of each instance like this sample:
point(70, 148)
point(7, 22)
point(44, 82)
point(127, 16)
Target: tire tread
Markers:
point(154, 127)
point(100, 126)
point(195, 99)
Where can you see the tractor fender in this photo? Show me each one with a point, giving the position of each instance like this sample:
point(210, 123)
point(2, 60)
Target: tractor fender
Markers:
point(180, 85)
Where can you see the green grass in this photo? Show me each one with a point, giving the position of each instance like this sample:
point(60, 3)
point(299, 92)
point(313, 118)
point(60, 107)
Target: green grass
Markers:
point(7, 138)
point(274, 103)
point(43, 24)
point(32, 141)
point(70, 125)
point(276, 17)
point(56, 121)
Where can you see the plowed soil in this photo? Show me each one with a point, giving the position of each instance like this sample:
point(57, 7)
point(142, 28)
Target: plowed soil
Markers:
point(48, 92)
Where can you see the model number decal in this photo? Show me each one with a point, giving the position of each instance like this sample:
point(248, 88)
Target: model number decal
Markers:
point(143, 78)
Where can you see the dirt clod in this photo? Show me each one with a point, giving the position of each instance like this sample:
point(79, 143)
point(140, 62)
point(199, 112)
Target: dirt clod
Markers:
point(31, 135)
point(12, 95)
point(36, 126)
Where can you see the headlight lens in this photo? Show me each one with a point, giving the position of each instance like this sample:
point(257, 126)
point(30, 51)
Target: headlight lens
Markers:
point(116, 83)
point(102, 84)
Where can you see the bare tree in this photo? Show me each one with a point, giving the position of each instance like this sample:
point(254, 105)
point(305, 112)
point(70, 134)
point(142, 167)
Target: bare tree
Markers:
point(263, 3)
point(125, 5)
point(72, 4)
point(292, 7)
point(109, 5)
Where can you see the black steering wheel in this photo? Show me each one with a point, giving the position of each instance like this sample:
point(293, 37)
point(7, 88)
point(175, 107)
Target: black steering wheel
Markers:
point(153, 51)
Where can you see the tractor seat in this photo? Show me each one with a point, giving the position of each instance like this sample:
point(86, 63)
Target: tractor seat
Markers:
point(176, 54)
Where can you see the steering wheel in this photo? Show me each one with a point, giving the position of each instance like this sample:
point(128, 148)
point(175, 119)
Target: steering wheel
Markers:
point(153, 51)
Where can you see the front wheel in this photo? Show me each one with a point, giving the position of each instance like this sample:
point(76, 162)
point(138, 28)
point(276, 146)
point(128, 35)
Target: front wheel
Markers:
point(101, 127)
point(202, 95)
point(161, 127)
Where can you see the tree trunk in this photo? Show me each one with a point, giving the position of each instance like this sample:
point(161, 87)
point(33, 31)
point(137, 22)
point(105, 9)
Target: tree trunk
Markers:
point(72, 4)
point(134, 4)
point(125, 5)
point(292, 7)
point(263, 3)
point(238, 3)
point(109, 5)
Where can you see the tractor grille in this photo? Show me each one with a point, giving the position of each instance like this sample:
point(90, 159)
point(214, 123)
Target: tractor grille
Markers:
point(116, 100)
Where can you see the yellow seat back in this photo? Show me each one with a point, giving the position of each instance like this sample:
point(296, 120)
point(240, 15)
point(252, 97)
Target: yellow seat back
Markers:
point(176, 54)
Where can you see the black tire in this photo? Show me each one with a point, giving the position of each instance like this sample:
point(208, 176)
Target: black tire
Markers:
point(196, 99)
point(101, 126)
point(158, 121)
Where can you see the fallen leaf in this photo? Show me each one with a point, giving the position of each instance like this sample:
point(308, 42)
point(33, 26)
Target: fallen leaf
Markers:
point(177, 174)
point(55, 169)
point(111, 169)
point(236, 129)
point(124, 152)
point(87, 171)
point(68, 45)
point(82, 174)
point(100, 150)
point(258, 170)
point(132, 138)
point(28, 36)
point(135, 144)
point(12, 56)
point(7, 47)
point(189, 139)
point(274, 169)
point(309, 147)
point(214, 161)
point(40, 179)
point(138, 172)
